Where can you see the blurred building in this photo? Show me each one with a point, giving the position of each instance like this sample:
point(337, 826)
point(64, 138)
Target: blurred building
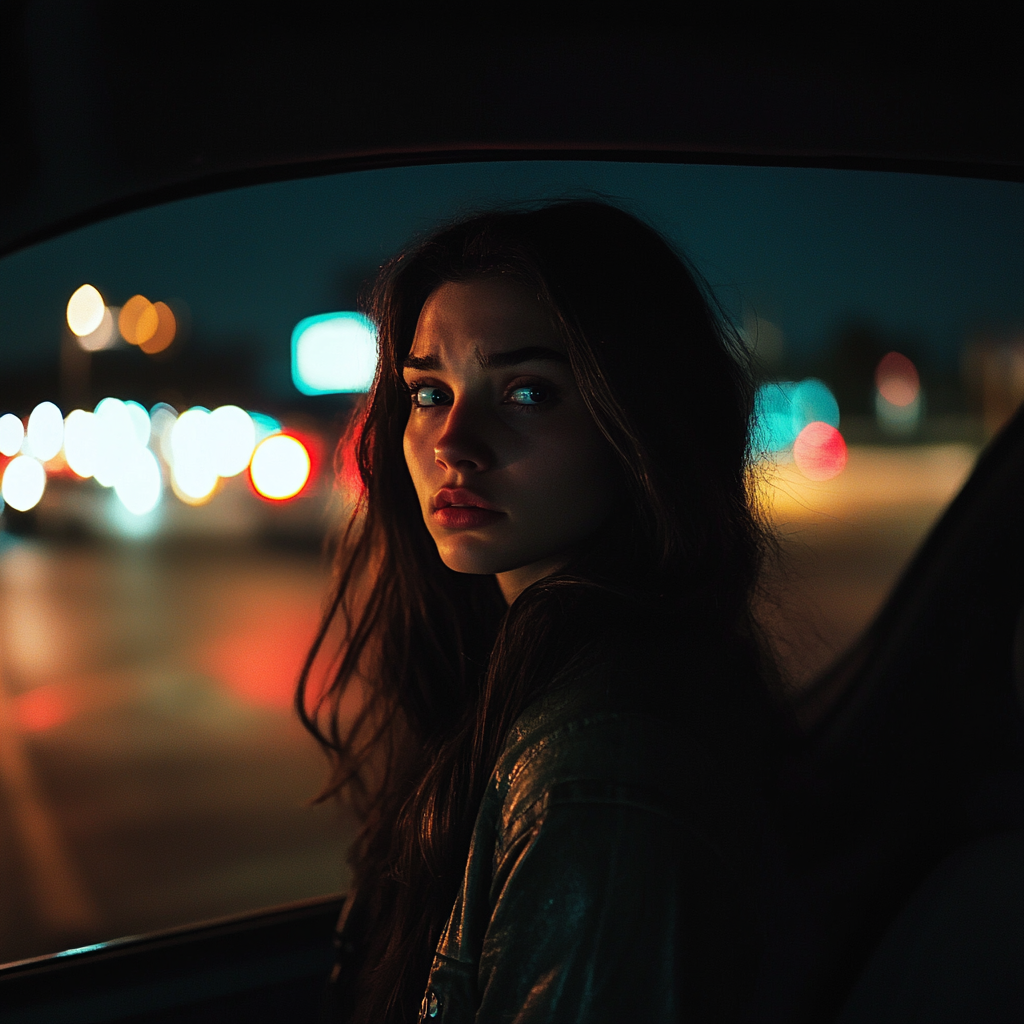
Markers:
point(993, 370)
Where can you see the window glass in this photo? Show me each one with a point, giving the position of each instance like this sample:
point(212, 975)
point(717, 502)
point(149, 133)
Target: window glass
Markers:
point(173, 384)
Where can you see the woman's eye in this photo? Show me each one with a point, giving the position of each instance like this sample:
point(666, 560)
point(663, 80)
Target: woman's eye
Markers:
point(429, 396)
point(528, 396)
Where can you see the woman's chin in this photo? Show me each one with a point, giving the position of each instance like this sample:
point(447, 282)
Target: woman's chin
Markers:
point(478, 559)
point(473, 563)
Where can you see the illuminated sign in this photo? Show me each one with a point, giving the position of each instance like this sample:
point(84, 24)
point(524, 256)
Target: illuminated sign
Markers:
point(334, 353)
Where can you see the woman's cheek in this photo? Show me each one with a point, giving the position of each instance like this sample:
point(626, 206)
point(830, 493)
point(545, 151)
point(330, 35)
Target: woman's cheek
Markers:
point(414, 447)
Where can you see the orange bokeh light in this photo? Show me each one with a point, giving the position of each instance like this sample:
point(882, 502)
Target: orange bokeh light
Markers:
point(164, 333)
point(138, 320)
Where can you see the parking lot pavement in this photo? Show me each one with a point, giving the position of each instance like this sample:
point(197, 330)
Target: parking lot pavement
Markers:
point(845, 541)
point(153, 774)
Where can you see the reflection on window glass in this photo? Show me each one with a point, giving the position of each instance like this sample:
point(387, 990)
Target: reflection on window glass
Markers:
point(173, 384)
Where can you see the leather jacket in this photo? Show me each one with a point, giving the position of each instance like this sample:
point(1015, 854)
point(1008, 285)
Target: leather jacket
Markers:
point(609, 876)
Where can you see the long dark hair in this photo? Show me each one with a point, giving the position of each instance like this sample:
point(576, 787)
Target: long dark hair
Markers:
point(432, 667)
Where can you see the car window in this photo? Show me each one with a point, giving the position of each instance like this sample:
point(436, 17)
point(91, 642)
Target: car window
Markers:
point(174, 381)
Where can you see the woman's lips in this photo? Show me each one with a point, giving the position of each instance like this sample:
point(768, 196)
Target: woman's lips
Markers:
point(459, 509)
point(465, 517)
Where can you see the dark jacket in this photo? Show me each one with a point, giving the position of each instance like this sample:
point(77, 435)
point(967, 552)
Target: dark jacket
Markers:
point(609, 876)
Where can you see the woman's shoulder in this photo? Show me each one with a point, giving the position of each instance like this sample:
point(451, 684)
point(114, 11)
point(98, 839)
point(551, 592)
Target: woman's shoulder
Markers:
point(590, 738)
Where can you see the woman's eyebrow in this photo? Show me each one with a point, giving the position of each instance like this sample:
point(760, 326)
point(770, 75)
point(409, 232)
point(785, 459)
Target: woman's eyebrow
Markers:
point(520, 355)
point(495, 360)
point(421, 363)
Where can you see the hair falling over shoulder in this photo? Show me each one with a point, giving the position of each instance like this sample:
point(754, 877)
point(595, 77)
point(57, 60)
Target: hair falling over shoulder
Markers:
point(430, 667)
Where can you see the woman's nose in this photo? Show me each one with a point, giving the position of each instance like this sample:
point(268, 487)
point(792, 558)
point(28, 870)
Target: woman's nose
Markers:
point(463, 444)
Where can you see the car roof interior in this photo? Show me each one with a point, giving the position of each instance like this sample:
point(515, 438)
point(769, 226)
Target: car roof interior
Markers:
point(897, 816)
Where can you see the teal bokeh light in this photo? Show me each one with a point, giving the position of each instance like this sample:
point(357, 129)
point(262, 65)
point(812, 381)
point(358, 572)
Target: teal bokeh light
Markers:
point(334, 353)
point(813, 402)
point(783, 408)
point(265, 425)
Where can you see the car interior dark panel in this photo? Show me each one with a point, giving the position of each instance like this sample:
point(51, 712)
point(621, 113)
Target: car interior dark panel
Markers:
point(919, 758)
point(267, 99)
point(890, 882)
point(268, 966)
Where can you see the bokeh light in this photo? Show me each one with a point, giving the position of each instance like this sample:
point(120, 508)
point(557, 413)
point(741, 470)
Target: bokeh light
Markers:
point(772, 429)
point(115, 437)
point(85, 310)
point(166, 328)
point(280, 467)
point(41, 708)
point(12, 434)
point(140, 421)
point(262, 656)
point(24, 483)
point(819, 451)
point(104, 336)
point(265, 425)
point(783, 409)
point(897, 379)
point(45, 433)
point(232, 438)
point(334, 353)
point(899, 399)
point(813, 402)
point(162, 419)
point(110, 444)
point(80, 442)
point(138, 320)
point(139, 483)
point(193, 469)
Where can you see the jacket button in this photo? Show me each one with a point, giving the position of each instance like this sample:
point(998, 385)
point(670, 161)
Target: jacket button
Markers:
point(431, 1005)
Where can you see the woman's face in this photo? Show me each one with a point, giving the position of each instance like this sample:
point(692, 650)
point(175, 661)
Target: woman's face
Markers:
point(509, 467)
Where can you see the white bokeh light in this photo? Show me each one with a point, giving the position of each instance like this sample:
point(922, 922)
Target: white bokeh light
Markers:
point(280, 467)
point(45, 432)
point(139, 484)
point(162, 419)
point(114, 437)
point(24, 483)
point(85, 310)
point(80, 442)
point(232, 439)
point(12, 434)
point(140, 421)
point(105, 334)
point(193, 468)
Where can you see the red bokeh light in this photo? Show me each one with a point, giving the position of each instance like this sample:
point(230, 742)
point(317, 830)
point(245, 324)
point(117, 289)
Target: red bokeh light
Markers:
point(260, 663)
point(41, 709)
point(897, 379)
point(820, 451)
point(314, 446)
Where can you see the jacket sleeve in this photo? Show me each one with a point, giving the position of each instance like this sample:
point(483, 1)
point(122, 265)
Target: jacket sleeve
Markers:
point(586, 920)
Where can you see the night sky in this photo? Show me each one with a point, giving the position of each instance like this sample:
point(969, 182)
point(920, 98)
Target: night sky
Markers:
point(930, 258)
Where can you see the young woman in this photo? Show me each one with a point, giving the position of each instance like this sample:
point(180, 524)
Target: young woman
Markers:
point(544, 599)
